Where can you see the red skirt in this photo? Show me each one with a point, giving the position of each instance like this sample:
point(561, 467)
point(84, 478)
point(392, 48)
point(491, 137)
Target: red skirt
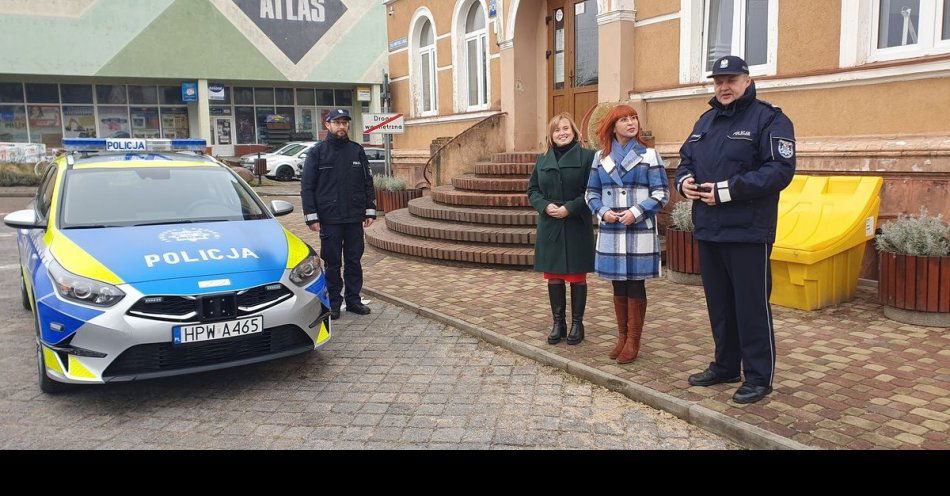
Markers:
point(571, 278)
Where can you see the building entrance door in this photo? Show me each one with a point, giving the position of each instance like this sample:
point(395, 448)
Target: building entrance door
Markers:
point(572, 57)
point(222, 128)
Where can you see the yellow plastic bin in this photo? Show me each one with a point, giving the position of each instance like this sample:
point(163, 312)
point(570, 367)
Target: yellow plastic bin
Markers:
point(824, 223)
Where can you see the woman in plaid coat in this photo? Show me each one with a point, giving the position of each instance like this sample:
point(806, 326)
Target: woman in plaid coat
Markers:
point(627, 187)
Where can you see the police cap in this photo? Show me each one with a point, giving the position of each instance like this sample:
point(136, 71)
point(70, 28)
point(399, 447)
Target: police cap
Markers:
point(338, 114)
point(730, 64)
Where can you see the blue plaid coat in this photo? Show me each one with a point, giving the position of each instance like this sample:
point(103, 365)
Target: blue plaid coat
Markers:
point(638, 184)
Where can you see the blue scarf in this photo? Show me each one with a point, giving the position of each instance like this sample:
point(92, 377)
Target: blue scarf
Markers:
point(618, 151)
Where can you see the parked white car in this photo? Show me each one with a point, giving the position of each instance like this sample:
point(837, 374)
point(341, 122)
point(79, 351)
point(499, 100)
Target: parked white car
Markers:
point(283, 164)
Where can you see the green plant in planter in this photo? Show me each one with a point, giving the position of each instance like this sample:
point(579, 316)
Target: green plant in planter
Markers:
point(920, 235)
point(388, 183)
point(682, 216)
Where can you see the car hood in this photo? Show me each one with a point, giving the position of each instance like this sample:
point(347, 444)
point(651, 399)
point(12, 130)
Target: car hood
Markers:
point(213, 250)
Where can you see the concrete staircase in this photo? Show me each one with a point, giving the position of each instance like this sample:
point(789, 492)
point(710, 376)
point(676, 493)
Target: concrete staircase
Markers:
point(481, 218)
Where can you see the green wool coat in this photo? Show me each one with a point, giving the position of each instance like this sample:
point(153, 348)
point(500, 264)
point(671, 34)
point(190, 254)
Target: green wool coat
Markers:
point(563, 246)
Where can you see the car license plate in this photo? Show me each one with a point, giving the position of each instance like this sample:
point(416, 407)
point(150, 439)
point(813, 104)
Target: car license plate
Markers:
point(217, 330)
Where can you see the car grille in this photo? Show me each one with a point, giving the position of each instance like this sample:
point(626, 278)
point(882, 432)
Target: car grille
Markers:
point(164, 357)
point(195, 308)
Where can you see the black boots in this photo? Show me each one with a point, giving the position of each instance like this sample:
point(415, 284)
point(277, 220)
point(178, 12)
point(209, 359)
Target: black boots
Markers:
point(557, 293)
point(578, 303)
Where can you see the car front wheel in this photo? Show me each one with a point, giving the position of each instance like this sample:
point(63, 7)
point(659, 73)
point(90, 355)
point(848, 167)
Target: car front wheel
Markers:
point(285, 173)
point(47, 385)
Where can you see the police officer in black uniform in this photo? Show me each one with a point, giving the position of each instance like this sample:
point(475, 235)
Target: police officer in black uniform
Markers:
point(740, 155)
point(338, 202)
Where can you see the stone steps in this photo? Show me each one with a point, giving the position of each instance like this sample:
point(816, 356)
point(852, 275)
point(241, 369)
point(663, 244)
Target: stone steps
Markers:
point(402, 221)
point(504, 169)
point(472, 182)
point(451, 196)
point(519, 157)
point(426, 207)
point(380, 236)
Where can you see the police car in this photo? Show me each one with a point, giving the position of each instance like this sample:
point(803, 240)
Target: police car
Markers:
point(148, 261)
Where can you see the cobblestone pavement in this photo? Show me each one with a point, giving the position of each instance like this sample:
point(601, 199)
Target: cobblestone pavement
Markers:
point(846, 377)
point(391, 379)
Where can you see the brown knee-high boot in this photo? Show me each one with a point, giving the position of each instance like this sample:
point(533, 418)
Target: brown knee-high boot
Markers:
point(620, 309)
point(636, 312)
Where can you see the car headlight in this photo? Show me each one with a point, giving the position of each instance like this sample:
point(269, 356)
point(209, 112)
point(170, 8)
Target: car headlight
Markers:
point(82, 289)
point(307, 270)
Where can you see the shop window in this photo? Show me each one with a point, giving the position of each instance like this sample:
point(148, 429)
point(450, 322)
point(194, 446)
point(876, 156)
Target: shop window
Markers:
point(287, 113)
point(170, 95)
point(741, 27)
point(284, 96)
point(244, 122)
point(343, 98)
point(147, 95)
point(145, 122)
point(244, 96)
point(175, 122)
point(261, 114)
point(46, 125)
point(472, 56)
point(11, 93)
point(110, 94)
point(220, 111)
point(305, 97)
point(113, 122)
point(42, 93)
point(80, 121)
point(909, 28)
point(76, 93)
point(307, 119)
point(264, 96)
point(13, 123)
point(325, 97)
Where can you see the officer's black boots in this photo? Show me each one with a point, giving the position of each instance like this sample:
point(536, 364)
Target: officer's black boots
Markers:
point(358, 308)
point(557, 293)
point(334, 314)
point(747, 393)
point(620, 310)
point(578, 303)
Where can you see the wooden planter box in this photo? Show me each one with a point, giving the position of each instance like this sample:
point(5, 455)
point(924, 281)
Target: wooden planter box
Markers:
point(388, 201)
point(915, 290)
point(682, 257)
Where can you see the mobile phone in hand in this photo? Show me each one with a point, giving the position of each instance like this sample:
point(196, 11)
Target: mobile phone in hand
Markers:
point(703, 189)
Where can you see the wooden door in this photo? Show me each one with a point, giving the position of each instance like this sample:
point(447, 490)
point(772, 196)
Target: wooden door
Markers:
point(572, 57)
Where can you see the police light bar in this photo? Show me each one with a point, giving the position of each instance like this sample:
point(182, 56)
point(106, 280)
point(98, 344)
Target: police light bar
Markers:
point(133, 145)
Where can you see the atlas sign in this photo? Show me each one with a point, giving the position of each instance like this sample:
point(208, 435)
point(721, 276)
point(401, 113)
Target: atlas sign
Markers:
point(294, 26)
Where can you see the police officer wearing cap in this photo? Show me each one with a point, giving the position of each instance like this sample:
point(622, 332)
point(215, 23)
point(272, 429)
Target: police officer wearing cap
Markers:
point(739, 156)
point(338, 202)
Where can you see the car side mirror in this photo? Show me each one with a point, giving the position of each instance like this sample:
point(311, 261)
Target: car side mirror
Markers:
point(280, 207)
point(26, 219)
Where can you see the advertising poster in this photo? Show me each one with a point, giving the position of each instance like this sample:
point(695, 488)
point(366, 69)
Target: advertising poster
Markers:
point(114, 122)
point(80, 121)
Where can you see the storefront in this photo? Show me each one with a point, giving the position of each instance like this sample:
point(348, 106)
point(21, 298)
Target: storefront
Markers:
point(213, 69)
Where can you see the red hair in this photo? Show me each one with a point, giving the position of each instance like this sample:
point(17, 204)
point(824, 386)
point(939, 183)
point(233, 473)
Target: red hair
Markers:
point(606, 130)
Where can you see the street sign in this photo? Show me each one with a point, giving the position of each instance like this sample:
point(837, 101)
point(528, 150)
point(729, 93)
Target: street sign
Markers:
point(383, 124)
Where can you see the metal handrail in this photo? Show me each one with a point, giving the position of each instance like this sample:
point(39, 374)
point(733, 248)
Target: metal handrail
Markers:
point(425, 170)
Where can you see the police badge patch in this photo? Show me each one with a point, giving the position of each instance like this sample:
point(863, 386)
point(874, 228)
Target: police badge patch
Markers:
point(786, 148)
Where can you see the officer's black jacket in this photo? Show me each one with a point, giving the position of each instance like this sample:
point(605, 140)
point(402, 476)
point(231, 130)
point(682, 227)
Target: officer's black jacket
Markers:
point(336, 186)
point(748, 150)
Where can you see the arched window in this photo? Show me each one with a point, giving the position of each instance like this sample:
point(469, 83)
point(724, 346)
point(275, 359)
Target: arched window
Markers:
point(426, 63)
point(472, 56)
point(423, 64)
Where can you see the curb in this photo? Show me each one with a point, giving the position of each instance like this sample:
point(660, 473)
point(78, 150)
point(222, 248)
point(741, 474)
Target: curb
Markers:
point(743, 433)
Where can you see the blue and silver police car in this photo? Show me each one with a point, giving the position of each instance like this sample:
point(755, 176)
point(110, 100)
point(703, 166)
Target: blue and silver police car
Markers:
point(140, 259)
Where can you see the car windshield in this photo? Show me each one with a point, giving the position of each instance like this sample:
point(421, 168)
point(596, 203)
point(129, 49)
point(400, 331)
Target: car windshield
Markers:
point(154, 195)
point(290, 151)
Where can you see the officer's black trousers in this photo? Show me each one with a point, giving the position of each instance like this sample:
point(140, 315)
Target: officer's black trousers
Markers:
point(737, 278)
point(342, 244)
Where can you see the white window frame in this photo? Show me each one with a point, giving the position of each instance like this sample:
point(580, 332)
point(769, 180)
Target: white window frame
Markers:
point(928, 38)
point(415, 54)
point(460, 41)
point(738, 38)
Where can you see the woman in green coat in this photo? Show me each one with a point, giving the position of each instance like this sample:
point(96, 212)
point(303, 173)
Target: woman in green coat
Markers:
point(564, 245)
